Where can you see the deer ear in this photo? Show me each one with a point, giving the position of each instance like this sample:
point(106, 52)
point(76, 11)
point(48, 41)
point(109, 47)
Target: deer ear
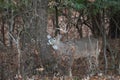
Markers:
point(59, 36)
point(48, 36)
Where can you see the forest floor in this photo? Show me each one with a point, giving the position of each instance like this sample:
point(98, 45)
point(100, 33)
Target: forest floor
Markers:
point(30, 63)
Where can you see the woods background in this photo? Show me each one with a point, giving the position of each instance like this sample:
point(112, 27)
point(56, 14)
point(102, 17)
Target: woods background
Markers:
point(25, 24)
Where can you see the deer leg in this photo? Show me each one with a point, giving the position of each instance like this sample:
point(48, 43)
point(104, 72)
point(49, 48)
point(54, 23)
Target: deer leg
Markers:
point(57, 66)
point(70, 72)
point(89, 64)
point(97, 58)
point(92, 65)
point(70, 67)
point(97, 64)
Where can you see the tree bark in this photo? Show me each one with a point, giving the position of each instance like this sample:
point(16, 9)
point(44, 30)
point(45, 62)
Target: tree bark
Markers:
point(114, 28)
point(38, 31)
point(41, 29)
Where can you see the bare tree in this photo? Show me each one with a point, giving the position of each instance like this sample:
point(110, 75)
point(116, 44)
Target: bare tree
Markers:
point(38, 30)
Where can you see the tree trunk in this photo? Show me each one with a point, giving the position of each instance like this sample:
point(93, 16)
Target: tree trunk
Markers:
point(38, 31)
point(41, 30)
point(114, 31)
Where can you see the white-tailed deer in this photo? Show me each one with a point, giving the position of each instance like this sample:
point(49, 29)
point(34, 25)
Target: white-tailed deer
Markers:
point(74, 49)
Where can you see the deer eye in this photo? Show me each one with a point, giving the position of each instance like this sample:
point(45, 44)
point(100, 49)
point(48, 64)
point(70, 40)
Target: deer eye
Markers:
point(54, 39)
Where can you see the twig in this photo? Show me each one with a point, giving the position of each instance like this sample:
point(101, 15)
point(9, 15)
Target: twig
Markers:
point(18, 49)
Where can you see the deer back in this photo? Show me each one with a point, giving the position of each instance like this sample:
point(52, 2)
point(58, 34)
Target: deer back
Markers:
point(84, 47)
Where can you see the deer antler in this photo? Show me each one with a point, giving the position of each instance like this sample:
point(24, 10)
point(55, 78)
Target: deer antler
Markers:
point(63, 30)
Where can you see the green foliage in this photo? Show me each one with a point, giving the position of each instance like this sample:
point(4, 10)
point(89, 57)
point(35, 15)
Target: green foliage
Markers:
point(6, 4)
point(113, 5)
point(96, 6)
point(77, 4)
point(12, 5)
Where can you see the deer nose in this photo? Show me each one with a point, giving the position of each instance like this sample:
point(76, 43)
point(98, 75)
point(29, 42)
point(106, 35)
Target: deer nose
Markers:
point(50, 42)
point(55, 47)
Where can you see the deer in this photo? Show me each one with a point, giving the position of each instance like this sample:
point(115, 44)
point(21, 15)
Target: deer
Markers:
point(85, 47)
